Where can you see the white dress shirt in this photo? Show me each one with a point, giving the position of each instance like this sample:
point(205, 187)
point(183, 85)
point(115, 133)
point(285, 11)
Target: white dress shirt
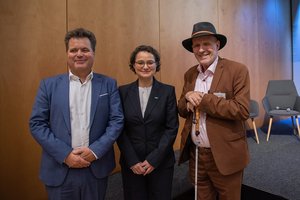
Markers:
point(80, 96)
point(144, 93)
point(203, 84)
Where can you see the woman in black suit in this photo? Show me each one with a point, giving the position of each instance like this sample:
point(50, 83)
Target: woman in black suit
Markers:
point(151, 124)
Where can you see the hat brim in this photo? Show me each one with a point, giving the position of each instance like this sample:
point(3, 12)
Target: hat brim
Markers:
point(187, 43)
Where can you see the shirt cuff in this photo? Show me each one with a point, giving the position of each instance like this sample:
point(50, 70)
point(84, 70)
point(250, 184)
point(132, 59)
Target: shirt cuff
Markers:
point(95, 155)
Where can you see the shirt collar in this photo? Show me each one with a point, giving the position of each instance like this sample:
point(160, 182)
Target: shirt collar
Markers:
point(76, 78)
point(211, 69)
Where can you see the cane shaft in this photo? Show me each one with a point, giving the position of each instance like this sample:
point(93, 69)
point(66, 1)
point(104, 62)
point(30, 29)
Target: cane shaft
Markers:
point(197, 119)
point(197, 132)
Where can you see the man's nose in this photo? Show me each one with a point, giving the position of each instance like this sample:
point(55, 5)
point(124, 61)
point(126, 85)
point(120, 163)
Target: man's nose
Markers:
point(79, 53)
point(201, 49)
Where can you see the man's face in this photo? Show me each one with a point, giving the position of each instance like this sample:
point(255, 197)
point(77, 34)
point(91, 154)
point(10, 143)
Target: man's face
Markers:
point(205, 49)
point(80, 56)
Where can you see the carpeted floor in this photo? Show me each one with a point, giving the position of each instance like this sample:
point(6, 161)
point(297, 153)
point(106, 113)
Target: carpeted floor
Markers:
point(275, 165)
point(273, 172)
point(248, 193)
point(274, 169)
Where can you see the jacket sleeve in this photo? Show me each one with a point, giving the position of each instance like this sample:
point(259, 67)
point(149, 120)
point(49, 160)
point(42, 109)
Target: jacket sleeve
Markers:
point(40, 126)
point(124, 143)
point(171, 128)
point(182, 109)
point(236, 104)
point(113, 124)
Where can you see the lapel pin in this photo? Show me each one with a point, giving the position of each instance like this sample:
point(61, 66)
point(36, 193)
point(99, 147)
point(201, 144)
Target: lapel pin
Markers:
point(155, 97)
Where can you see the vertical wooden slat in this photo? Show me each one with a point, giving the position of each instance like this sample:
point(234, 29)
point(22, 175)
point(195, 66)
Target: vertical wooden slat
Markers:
point(119, 26)
point(176, 24)
point(32, 48)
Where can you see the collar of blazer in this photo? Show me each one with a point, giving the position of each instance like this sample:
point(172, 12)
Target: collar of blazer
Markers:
point(64, 89)
point(216, 77)
point(133, 97)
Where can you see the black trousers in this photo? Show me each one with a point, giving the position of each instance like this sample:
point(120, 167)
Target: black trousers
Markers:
point(154, 186)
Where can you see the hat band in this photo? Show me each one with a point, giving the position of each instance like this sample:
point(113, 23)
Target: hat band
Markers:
point(202, 32)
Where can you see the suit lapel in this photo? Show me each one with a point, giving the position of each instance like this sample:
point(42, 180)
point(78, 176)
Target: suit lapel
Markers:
point(96, 89)
point(193, 78)
point(63, 89)
point(154, 98)
point(217, 76)
point(134, 99)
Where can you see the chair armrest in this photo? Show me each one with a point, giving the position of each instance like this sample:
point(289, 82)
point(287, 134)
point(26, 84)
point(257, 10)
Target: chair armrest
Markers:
point(266, 104)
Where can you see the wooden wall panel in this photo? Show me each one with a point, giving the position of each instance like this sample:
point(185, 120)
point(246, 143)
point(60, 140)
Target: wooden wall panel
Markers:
point(176, 26)
point(254, 30)
point(119, 26)
point(176, 23)
point(275, 49)
point(241, 26)
point(295, 43)
point(32, 48)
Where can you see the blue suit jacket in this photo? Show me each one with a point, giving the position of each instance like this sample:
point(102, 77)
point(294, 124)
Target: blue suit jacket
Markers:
point(50, 126)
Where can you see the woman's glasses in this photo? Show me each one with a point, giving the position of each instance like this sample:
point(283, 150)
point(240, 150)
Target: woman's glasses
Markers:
point(141, 63)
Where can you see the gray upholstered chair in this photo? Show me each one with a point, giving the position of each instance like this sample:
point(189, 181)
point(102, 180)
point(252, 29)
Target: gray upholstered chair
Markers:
point(281, 99)
point(254, 111)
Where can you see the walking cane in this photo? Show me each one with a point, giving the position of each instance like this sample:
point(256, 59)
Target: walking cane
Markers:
point(197, 132)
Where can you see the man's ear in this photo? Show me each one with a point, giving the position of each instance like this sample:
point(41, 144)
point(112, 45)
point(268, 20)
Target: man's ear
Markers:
point(218, 44)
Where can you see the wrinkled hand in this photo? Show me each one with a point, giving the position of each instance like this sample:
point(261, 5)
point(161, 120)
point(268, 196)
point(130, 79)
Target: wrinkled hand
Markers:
point(194, 99)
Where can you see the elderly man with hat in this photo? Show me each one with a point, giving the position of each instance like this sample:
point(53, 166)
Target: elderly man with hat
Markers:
point(215, 104)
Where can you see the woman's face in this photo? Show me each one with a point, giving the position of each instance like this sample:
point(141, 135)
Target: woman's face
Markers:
point(145, 65)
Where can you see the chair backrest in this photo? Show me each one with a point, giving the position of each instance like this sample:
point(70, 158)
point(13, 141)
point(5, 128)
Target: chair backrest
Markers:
point(254, 110)
point(281, 94)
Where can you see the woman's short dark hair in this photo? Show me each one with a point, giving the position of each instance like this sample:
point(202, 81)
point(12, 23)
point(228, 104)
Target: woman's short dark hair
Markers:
point(80, 33)
point(148, 49)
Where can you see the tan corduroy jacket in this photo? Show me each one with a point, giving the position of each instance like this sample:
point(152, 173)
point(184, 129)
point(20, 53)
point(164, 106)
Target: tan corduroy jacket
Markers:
point(225, 122)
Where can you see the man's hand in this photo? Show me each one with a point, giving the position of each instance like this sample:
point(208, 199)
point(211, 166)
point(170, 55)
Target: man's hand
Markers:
point(85, 153)
point(75, 161)
point(194, 99)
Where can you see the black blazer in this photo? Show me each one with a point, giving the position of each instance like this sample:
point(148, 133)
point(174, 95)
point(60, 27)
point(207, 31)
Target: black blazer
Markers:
point(150, 138)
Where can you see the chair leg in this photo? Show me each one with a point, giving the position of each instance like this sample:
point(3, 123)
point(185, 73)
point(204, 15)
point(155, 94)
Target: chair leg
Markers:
point(269, 129)
point(297, 122)
point(255, 131)
point(293, 124)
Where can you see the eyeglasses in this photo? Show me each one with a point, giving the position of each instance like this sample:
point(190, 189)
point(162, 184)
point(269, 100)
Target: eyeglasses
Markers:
point(141, 63)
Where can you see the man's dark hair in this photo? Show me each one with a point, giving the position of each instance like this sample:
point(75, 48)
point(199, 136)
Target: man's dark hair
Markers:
point(80, 33)
point(148, 49)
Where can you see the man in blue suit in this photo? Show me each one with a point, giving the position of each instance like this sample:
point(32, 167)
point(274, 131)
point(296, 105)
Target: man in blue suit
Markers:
point(76, 119)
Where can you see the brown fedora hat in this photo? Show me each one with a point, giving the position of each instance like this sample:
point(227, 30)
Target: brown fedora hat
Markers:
point(203, 29)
